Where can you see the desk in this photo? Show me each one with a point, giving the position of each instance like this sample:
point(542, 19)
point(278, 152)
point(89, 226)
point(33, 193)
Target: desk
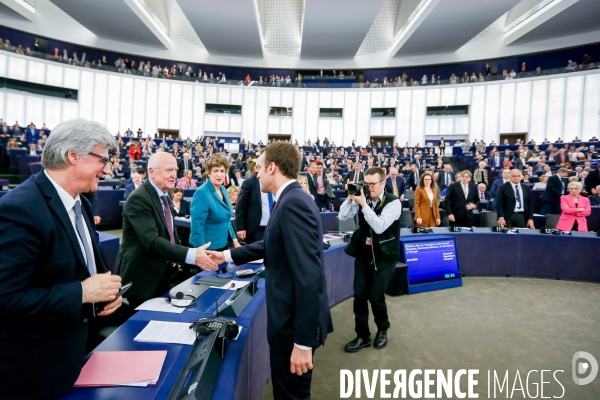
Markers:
point(108, 206)
point(110, 246)
point(24, 162)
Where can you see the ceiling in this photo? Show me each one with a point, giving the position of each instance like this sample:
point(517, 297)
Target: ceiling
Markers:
point(314, 33)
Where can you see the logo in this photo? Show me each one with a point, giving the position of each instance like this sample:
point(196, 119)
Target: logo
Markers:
point(580, 368)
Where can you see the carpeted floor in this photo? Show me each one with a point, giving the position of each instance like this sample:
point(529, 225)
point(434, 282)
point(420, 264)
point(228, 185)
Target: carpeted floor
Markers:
point(495, 324)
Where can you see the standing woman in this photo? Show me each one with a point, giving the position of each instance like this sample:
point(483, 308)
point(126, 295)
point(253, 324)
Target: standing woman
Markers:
point(442, 146)
point(135, 152)
point(211, 209)
point(575, 209)
point(480, 175)
point(427, 209)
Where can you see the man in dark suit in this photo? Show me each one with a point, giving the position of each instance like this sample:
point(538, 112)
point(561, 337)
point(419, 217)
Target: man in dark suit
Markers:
point(354, 176)
point(184, 164)
point(252, 211)
point(52, 269)
point(413, 177)
point(239, 162)
point(500, 181)
point(394, 184)
point(482, 193)
point(513, 203)
point(593, 180)
point(555, 188)
point(496, 160)
point(298, 317)
point(446, 176)
point(460, 201)
point(136, 181)
point(520, 162)
point(595, 198)
point(150, 246)
point(324, 192)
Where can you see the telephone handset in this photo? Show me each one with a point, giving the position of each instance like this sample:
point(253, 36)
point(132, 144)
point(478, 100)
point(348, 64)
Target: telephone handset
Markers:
point(226, 328)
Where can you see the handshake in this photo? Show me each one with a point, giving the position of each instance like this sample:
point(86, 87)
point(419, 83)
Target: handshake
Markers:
point(207, 259)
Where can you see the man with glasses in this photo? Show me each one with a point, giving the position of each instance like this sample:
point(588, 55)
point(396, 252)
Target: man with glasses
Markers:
point(375, 248)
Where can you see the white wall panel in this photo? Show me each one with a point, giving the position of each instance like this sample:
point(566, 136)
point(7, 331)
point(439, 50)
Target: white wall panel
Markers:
point(477, 112)
point(34, 111)
point(175, 106)
point(522, 107)
point(235, 123)
point(273, 125)
point(100, 93)
point(312, 116)
point(377, 99)
point(262, 115)
point(403, 113)
point(275, 98)
point(223, 123)
point(492, 111)
point(15, 108)
point(448, 96)
point(507, 108)
point(324, 129)
point(3, 62)
point(463, 95)
point(556, 108)
point(285, 126)
point(363, 115)
point(432, 126)
point(53, 112)
point(113, 103)
point(17, 68)
point(461, 126)
point(86, 93)
point(249, 115)
point(3, 105)
point(224, 95)
point(54, 75)
point(417, 118)
point(337, 130)
point(36, 72)
point(390, 98)
point(537, 125)
point(446, 126)
point(131, 105)
point(299, 116)
point(350, 106)
point(337, 100)
point(376, 128)
point(237, 96)
point(150, 119)
point(71, 77)
point(210, 122)
point(70, 110)
point(287, 98)
point(573, 108)
point(389, 127)
point(210, 95)
point(590, 121)
point(325, 99)
point(164, 103)
point(434, 97)
point(187, 106)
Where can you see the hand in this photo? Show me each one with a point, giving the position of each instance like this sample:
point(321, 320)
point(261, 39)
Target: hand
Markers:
point(451, 218)
point(241, 234)
point(346, 188)
point(301, 361)
point(501, 222)
point(217, 256)
point(360, 199)
point(236, 244)
point(203, 260)
point(402, 198)
point(100, 288)
point(111, 307)
point(530, 224)
point(438, 222)
point(471, 206)
point(581, 209)
point(97, 220)
point(419, 221)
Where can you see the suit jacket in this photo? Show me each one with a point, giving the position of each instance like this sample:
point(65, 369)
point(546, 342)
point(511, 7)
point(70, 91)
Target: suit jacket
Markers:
point(129, 188)
point(146, 246)
point(487, 196)
point(520, 164)
point(248, 210)
point(554, 189)
point(496, 163)
point(389, 186)
point(595, 200)
point(496, 185)
point(41, 270)
point(350, 176)
point(570, 214)
point(592, 180)
point(181, 169)
point(211, 217)
point(455, 202)
point(506, 201)
point(413, 182)
point(326, 184)
point(442, 178)
point(296, 291)
point(424, 208)
point(184, 209)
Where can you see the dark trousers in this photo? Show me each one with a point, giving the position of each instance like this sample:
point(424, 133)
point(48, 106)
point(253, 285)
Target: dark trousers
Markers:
point(323, 202)
point(369, 287)
point(550, 208)
point(465, 220)
point(288, 386)
point(256, 236)
point(516, 220)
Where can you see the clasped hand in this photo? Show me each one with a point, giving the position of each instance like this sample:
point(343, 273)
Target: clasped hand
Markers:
point(360, 199)
point(203, 260)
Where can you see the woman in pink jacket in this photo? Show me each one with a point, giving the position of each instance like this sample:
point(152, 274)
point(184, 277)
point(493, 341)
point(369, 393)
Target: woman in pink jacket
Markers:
point(575, 209)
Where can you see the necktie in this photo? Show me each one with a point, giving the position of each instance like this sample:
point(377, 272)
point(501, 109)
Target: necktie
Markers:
point(185, 165)
point(518, 195)
point(417, 177)
point(481, 196)
point(168, 217)
point(466, 191)
point(447, 178)
point(356, 174)
point(270, 196)
point(395, 188)
point(81, 232)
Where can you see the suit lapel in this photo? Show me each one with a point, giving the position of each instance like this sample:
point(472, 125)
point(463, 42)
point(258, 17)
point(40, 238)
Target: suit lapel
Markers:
point(285, 191)
point(156, 202)
point(257, 191)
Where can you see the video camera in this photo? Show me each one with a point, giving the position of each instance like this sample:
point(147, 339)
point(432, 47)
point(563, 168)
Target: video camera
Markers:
point(354, 188)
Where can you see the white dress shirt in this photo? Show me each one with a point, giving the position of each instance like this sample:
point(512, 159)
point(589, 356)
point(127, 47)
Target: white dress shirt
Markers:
point(265, 209)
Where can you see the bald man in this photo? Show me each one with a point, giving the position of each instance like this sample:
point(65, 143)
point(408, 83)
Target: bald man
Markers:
point(394, 184)
point(151, 250)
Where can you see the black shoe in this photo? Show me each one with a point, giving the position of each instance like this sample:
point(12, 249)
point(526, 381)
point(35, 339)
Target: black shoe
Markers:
point(358, 344)
point(381, 339)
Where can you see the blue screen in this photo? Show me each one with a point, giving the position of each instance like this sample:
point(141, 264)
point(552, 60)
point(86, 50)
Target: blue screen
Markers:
point(431, 261)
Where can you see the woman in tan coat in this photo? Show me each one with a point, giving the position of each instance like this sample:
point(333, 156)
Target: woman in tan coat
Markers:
point(427, 210)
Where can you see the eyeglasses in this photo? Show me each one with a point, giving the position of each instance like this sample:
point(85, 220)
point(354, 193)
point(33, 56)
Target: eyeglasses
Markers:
point(104, 159)
point(373, 184)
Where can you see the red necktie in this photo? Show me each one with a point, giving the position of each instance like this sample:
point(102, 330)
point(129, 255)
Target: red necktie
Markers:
point(481, 196)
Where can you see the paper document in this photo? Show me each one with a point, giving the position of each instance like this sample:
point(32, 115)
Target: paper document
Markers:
point(159, 304)
point(167, 332)
point(115, 368)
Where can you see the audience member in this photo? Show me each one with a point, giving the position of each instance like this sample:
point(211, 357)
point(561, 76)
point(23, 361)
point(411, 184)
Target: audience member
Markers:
point(187, 181)
point(253, 211)
point(233, 192)
point(427, 210)
point(324, 192)
point(555, 188)
point(185, 164)
point(136, 181)
point(541, 185)
point(513, 203)
point(395, 184)
point(460, 201)
point(575, 209)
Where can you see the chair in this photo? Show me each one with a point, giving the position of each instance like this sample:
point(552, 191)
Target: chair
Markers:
point(488, 219)
point(409, 194)
point(444, 217)
point(552, 220)
point(348, 225)
point(406, 219)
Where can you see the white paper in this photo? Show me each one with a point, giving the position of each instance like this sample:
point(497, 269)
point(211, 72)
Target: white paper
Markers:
point(234, 285)
point(261, 261)
point(159, 304)
point(167, 332)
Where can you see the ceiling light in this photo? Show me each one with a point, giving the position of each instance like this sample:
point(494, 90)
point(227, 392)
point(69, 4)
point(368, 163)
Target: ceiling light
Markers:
point(159, 27)
point(25, 5)
point(532, 14)
point(412, 20)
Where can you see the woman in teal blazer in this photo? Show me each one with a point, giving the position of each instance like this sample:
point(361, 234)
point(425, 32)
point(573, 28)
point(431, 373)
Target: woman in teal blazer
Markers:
point(211, 210)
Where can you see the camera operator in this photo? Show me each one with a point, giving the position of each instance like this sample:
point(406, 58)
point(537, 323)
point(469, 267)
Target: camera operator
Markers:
point(375, 248)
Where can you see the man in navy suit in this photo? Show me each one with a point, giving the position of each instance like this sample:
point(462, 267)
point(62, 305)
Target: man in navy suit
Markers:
point(496, 160)
point(136, 181)
point(500, 181)
point(397, 189)
point(252, 211)
point(413, 177)
point(555, 188)
point(298, 317)
point(52, 270)
point(31, 134)
point(445, 177)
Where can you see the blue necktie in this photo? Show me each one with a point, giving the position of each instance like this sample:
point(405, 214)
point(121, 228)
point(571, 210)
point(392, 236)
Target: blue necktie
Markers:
point(81, 232)
point(447, 178)
point(270, 195)
point(518, 193)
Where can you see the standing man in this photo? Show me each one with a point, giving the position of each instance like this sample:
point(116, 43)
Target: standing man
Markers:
point(513, 203)
point(375, 248)
point(252, 211)
point(413, 178)
point(324, 192)
point(150, 249)
point(298, 317)
point(354, 176)
point(555, 188)
point(52, 269)
point(184, 165)
point(446, 177)
point(460, 201)
point(395, 184)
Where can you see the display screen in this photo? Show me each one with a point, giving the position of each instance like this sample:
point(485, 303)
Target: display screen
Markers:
point(431, 261)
